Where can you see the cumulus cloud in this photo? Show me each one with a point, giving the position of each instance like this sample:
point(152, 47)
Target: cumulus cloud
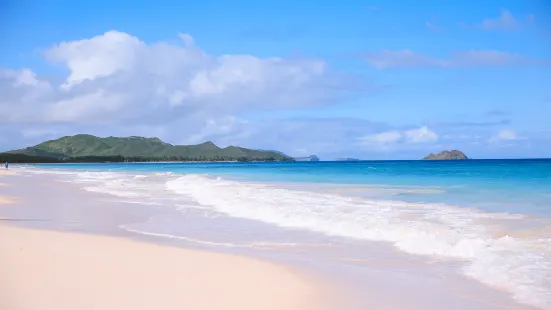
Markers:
point(506, 135)
point(420, 135)
point(383, 138)
point(505, 21)
point(393, 137)
point(115, 78)
point(387, 59)
point(300, 136)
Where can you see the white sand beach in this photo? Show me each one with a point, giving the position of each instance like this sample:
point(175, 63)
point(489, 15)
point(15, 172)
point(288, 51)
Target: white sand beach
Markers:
point(7, 172)
point(6, 200)
point(51, 270)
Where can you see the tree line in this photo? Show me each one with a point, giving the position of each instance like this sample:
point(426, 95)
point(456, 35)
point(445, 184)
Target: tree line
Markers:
point(24, 159)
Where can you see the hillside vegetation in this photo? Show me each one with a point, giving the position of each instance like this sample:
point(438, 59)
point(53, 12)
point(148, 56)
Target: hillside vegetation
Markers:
point(73, 148)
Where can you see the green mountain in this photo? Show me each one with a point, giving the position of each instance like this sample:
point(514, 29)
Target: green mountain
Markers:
point(83, 145)
point(447, 155)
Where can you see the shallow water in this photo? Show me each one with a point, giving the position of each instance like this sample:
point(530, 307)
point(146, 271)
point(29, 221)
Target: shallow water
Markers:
point(487, 220)
point(520, 186)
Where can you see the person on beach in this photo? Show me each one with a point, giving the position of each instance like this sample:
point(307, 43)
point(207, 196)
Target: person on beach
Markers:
point(6, 165)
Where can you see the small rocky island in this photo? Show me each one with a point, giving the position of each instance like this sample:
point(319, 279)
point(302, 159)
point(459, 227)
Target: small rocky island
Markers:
point(447, 155)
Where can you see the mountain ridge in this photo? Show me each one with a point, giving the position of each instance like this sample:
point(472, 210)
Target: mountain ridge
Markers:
point(85, 145)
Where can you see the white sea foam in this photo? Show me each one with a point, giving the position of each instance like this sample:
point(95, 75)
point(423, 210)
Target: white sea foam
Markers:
point(215, 243)
point(108, 182)
point(521, 266)
point(164, 173)
point(120, 185)
point(34, 170)
point(150, 203)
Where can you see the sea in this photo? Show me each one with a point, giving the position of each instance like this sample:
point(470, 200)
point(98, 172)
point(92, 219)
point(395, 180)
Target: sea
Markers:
point(485, 220)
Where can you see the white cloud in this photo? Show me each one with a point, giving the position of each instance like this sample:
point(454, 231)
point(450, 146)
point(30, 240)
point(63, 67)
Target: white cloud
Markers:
point(390, 138)
point(97, 57)
point(223, 127)
point(421, 135)
point(387, 59)
point(332, 137)
point(116, 78)
point(505, 21)
point(506, 138)
point(506, 135)
point(383, 138)
point(22, 94)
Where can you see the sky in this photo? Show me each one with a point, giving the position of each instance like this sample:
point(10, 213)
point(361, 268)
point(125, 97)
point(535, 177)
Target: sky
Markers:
point(363, 79)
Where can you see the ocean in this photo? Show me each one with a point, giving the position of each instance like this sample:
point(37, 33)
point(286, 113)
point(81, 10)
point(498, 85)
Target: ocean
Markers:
point(487, 220)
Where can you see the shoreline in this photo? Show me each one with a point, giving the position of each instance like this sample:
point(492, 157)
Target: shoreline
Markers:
point(382, 270)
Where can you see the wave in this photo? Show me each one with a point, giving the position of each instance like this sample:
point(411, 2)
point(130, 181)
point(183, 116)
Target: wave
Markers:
point(258, 244)
point(521, 266)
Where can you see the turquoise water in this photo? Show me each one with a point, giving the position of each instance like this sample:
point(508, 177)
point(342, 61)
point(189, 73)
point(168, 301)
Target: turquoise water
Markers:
point(515, 186)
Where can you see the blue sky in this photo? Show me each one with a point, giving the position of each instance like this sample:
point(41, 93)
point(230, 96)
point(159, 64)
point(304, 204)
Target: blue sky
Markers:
point(367, 79)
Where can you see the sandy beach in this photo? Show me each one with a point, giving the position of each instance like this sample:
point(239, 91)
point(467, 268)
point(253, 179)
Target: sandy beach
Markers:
point(3, 199)
point(52, 270)
point(49, 270)
point(7, 172)
point(6, 200)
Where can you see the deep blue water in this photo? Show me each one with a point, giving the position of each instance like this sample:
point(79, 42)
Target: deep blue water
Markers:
point(519, 186)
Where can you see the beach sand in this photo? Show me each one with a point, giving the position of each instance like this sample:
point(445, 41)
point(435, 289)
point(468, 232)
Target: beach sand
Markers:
point(7, 172)
point(49, 270)
point(3, 199)
point(6, 200)
point(52, 270)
